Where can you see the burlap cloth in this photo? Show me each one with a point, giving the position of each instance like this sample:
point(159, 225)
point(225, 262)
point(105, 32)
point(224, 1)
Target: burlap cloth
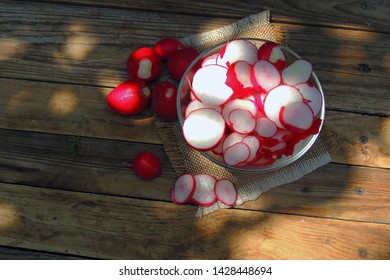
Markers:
point(186, 160)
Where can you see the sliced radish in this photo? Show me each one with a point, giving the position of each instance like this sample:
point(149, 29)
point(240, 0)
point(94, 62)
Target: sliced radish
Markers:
point(204, 128)
point(312, 96)
point(236, 154)
point(244, 104)
point(218, 150)
point(236, 50)
point(210, 60)
point(265, 127)
point(297, 116)
point(254, 146)
point(277, 98)
point(209, 85)
point(264, 76)
point(196, 104)
point(226, 192)
point(183, 189)
point(242, 121)
point(232, 139)
point(204, 193)
point(297, 72)
point(263, 160)
point(238, 78)
point(272, 52)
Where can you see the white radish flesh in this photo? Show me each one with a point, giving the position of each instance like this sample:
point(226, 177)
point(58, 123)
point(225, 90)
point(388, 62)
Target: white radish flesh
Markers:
point(244, 104)
point(204, 128)
point(253, 144)
point(204, 193)
point(242, 121)
point(277, 98)
point(297, 116)
point(209, 85)
point(210, 60)
point(312, 96)
point(236, 154)
point(196, 104)
point(264, 76)
point(236, 50)
point(265, 127)
point(232, 139)
point(183, 189)
point(226, 192)
point(297, 72)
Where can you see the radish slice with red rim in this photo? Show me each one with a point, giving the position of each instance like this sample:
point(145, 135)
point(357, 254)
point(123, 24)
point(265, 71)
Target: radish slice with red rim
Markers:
point(209, 85)
point(264, 76)
point(204, 128)
point(242, 121)
point(297, 116)
point(297, 72)
point(265, 127)
point(245, 104)
point(226, 192)
point(312, 96)
point(236, 154)
point(183, 189)
point(254, 146)
point(204, 194)
point(277, 98)
point(196, 104)
point(232, 139)
point(236, 50)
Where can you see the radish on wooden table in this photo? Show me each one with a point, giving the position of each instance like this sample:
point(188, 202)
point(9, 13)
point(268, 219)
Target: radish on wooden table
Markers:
point(163, 100)
point(166, 46)
point(145, 164)
point(145, 64)
point(179, 61)
point(183, 189)
point(129, 97)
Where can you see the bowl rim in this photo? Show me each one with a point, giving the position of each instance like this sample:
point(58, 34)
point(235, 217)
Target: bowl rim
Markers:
point(278, 164)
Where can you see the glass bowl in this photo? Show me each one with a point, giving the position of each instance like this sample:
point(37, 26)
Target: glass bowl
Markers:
point(183, 98)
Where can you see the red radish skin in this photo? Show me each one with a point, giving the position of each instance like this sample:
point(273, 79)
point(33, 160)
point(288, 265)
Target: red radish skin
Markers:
point(204, 193)
point(203, 129)
point(297, 72)
point(210, 60)
point(264, 76)
point(179, 61)
point(145, 165)
point(272, 52)
point(226, 192)
point(129, 97)
point(166, 46)
point(183, 189)
point(163, 100)
point(238, 78)
point(144, 64)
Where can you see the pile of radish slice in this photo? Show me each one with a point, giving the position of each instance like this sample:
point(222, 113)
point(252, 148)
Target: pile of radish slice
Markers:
point(249, 106)
point(203, 190)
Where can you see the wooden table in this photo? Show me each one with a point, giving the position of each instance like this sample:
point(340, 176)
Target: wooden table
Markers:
point(59, 59)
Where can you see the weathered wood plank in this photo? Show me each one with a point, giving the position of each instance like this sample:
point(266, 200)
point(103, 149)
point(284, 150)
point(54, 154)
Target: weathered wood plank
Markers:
point(371, 15)
point(21, 254)
point(113, 227)
point(45, 160)
point(62, 45)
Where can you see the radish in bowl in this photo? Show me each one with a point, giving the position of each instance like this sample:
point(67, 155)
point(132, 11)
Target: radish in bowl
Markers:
point(258, 105)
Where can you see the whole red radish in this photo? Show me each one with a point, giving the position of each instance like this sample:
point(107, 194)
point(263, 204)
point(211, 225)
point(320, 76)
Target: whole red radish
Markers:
point(166, 46)
point(129, 98)
point(144, 64)
point(146, 165)
point(163, 100)
point(179, 61)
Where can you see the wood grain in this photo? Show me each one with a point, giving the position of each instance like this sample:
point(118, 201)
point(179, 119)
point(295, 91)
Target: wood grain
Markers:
point(109, 227)
point(369, 15)
point(45, 160)
point(8, 253)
